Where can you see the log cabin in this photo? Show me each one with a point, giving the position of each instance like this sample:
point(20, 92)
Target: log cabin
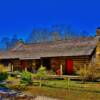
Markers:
point(70, 54)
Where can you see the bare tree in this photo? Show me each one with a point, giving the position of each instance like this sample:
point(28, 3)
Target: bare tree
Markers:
point(39, 35)
point(55, 33)
point(69, 33)
point(5, 41)
point(64, 31)
point(8, 43)
point(55, 36)
point(84, 33)
point(13, 41)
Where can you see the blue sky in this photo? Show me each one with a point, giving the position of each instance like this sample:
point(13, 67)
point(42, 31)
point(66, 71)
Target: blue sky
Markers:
point(20, 16)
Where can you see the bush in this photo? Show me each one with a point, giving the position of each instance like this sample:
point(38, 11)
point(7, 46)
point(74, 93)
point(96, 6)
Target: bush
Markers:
point(41, 73)
point(89, 73)
point(26, 78)
point(3, 76)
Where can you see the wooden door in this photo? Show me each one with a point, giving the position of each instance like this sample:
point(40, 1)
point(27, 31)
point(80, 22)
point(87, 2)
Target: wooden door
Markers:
point(69, 66)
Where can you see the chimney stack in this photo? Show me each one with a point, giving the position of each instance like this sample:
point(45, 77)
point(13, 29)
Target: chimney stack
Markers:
point(98, 34)
point(98, 31)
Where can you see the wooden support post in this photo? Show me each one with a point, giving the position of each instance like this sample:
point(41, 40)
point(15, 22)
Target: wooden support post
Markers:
point(25, 68)
point(61, 71)
point(85, 68)
point(12, 67)
point(9, 67)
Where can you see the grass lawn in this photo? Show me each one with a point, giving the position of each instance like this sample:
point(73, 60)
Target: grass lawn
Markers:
point(73, 85)
point(60, 89)
point(62, 94)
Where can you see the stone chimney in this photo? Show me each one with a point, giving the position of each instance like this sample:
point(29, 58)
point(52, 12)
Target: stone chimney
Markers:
point(98, 46)
point(98, 34)
point(98, 31)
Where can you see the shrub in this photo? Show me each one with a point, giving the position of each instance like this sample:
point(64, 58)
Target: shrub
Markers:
point(26, 78)
point(89, 73)
point(41, 74)
point(3, 76)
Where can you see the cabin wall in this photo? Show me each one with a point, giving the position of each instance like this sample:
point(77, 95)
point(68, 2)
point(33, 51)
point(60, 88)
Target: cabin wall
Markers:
point(78, 62)
point(16, 64)
point(56, 62)
point(20, 65)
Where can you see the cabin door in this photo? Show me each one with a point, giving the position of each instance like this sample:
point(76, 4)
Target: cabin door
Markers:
point(69, 66)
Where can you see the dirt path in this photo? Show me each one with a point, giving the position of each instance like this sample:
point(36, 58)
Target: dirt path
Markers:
point(44, 98)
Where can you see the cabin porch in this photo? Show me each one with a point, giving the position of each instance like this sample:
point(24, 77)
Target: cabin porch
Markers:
point(59, 65)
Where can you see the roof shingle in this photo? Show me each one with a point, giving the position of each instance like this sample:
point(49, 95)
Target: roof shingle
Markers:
point(73, 47)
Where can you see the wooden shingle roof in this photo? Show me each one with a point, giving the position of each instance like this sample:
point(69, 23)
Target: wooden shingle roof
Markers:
point(71, 47)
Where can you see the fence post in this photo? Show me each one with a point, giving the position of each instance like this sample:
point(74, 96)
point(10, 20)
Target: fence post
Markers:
point(68, 83)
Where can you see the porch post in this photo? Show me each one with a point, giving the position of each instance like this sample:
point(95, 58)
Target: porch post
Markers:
point(41, 62)
point(25, 68)
point(61, 71)
point(12, 67)
point(85, 68)
point(9, 67)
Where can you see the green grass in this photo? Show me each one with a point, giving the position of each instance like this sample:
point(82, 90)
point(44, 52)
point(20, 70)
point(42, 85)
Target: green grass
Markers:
point(60, 89)
point(62, 94)
point(72, 85)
